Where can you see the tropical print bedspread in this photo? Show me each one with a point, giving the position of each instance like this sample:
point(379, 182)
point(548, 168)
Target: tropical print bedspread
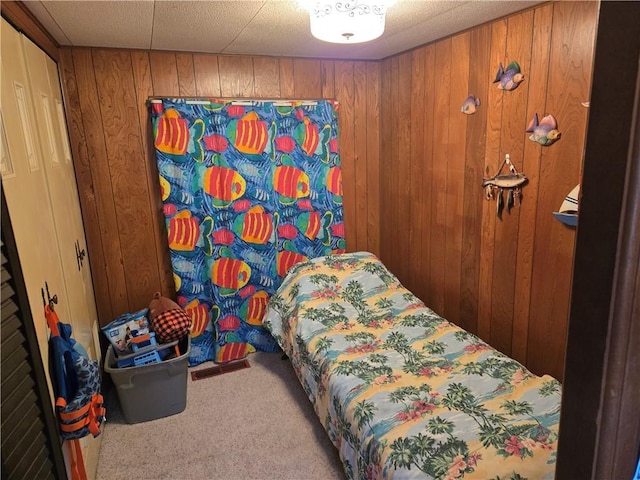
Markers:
point(402, 392)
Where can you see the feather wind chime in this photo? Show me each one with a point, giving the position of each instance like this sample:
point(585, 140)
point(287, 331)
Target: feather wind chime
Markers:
point(512, 182)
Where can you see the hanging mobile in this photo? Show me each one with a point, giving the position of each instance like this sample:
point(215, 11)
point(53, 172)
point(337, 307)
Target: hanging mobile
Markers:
point(512, 181)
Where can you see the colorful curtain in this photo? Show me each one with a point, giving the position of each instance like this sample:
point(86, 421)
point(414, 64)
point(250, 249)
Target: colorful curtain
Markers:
point(248, 190)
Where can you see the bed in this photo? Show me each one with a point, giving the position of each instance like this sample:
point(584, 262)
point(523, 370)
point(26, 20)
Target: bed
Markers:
point(402, 392)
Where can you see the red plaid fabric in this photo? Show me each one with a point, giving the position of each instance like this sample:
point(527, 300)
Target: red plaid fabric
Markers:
point(171, 325)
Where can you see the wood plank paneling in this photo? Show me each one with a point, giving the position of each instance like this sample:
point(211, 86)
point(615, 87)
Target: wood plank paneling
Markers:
point(537, 86)
point(401, 166)
point(346, 119)
point(128, 170)
point(164, 73)
point(437, 229)
point(507, 280)
point(386, 245)
point(86, 192)
point(207, 75)
point(492, 161)
point(390, 157)
point(186, 75)
point(287, 83)
point(144, 90)
point(105, 224)
point(479, 49)
point(416, 145)
point(373, 157)
point(307, 78)
point(430, 79)
point(455, 176)
point(267, 77)
point(560, 167)
point(119, 175)
point(424, 213)
point(514, 103)
point(361, 153)
point(328, 78)
point(237, 80)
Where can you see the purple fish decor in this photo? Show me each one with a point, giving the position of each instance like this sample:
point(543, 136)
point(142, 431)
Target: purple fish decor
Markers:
point(545, 132)
point(512, 182)
point(470, 105)
point(509, 78)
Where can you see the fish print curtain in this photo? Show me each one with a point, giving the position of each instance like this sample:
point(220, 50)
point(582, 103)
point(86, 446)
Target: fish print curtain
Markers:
point(249, 188)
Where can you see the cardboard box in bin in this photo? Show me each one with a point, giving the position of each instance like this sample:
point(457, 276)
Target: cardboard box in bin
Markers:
point(156, 390)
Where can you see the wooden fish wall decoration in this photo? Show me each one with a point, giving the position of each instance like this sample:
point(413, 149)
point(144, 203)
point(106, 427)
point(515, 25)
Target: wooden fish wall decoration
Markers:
point(544, 132)
point(510, 78)
point(512, 182)
point(470, 105)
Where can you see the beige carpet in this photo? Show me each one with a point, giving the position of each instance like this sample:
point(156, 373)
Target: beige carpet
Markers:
point(255, 423)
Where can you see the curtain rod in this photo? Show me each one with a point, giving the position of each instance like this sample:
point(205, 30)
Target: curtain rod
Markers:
point(278, 102)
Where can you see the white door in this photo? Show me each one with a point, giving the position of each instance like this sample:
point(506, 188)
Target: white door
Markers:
point(25, 187)
point(63, 194)
point(42, 199)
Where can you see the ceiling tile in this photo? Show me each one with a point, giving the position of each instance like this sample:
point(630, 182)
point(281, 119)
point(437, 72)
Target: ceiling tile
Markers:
point(450, 18)
point(252, 27)
point(200, 26)
point(48, 22)
point(120, 24)
point(277, 29)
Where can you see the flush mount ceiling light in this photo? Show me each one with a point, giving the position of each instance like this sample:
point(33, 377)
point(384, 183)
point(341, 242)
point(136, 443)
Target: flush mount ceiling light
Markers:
point(347, 21)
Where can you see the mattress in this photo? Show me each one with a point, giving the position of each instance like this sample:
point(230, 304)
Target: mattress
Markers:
point(402, 392)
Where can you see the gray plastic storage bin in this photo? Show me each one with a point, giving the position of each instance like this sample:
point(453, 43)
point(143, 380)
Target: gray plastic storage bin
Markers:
point(152, 391)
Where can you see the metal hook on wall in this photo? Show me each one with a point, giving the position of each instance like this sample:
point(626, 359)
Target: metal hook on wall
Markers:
point(51, 301)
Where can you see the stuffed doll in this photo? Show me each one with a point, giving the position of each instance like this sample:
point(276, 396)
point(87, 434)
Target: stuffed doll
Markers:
point(169, 320)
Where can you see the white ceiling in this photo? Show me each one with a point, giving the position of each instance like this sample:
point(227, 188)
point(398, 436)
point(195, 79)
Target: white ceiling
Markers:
point(255, 27)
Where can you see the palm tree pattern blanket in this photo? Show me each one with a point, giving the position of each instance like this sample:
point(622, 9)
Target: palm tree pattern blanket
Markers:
point(402, 392)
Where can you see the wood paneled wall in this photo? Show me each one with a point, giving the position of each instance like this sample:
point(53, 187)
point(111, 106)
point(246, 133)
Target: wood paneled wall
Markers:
point(412, 165)
point(507, 280)
point(105, 98)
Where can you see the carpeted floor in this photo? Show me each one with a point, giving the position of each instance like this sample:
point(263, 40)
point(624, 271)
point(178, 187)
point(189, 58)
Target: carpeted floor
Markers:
point(254, 423)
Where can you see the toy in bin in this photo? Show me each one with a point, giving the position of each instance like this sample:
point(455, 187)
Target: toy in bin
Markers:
point(145, 351)
point(128, 330)
point(169, 320)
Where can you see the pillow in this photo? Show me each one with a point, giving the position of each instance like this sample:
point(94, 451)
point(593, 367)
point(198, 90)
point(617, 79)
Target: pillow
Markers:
point(169, 320)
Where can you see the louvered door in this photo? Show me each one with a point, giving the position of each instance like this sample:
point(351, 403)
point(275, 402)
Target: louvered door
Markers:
point(30, 445)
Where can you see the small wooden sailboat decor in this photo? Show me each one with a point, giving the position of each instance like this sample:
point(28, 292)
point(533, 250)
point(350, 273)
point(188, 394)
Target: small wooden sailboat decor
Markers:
point(512, 182)
point(568, 213)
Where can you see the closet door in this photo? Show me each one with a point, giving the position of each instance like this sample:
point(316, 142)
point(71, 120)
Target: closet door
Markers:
point(42, 199)
point(30, 448)
point(25, 186)
point(63, 195)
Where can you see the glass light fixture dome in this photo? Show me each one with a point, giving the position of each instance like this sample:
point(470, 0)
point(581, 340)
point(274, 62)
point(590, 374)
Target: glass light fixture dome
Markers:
point(347, 21)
